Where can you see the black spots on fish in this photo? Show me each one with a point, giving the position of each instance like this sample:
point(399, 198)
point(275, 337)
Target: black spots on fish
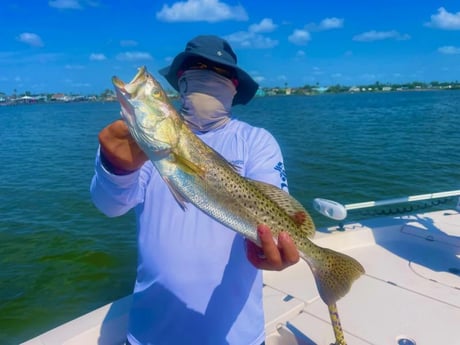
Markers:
point(334, 273)
point(303, 243)
point(253, 201)
point(224, 180)
point(329, 261)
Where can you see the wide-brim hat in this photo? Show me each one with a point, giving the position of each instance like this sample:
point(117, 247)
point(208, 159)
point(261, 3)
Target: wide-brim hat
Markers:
point(217, 50)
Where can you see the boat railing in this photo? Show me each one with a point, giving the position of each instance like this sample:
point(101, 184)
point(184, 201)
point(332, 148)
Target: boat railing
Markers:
point(337, 211)
point(412, 198)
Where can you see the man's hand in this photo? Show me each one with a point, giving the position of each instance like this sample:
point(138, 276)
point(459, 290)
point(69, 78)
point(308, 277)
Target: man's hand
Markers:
point(120, 149)
point(271, 256)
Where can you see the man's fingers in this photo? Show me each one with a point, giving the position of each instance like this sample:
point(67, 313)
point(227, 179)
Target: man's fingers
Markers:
point(272, 256)
point(255, 254)
point(288, 249)
point(269, 247)
point(120, 128)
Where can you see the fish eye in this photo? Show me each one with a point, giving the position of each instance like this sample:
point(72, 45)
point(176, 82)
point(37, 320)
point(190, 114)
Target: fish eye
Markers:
point(156, 93)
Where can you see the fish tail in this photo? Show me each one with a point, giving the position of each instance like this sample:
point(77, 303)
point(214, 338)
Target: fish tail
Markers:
point(334, 273)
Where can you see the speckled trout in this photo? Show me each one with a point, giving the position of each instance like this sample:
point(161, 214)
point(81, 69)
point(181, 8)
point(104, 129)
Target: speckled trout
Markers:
point(195, 173)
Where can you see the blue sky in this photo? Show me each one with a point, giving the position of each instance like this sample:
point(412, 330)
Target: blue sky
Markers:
point(76, 46)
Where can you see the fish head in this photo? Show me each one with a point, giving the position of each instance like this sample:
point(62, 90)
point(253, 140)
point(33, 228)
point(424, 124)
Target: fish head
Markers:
point(144, 107)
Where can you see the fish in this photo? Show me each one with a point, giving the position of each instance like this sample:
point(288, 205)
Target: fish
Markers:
point(195, 173)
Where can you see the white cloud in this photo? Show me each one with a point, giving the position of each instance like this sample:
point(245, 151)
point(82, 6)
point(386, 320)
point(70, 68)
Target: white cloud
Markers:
point(241, 38)
point(253, 38)
point(300, 37)
point(72, 4)
point(328, 23)
point(259, 79)
point(331, 23)
point(263, 42)
point(449, 50)
point(445, 20)
point(134, 56)
point(97, 57)
point(373, 35)
point(31, 39)
point(247, 39)
point(265, 25)
point(201, 10)
point(65, 4)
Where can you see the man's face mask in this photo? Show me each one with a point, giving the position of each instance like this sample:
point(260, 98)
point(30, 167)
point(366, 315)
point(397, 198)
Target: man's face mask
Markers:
point(206, 99)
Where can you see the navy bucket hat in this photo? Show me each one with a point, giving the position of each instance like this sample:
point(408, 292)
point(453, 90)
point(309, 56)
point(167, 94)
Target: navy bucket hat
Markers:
point(219, 51)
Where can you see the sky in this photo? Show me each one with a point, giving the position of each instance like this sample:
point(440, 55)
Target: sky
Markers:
point(76, 46)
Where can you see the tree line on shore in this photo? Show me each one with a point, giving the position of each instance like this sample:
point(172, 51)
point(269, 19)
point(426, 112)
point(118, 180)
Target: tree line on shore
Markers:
point(109, 95)
point(374, 87)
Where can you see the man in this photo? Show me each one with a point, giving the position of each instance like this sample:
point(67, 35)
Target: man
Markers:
point(198, 282)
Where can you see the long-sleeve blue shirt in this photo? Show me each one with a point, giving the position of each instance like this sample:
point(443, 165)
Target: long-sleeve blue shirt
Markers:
point(194, 284)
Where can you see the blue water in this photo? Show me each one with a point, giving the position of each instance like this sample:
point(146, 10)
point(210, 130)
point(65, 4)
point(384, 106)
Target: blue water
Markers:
point(60, 258)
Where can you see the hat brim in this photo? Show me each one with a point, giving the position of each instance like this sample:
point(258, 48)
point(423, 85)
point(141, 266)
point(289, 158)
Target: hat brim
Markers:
point(245, 90)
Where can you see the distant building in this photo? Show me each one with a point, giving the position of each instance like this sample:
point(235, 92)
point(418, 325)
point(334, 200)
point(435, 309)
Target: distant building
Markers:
point(260, 92)
point(320, 89)
point(59, 97)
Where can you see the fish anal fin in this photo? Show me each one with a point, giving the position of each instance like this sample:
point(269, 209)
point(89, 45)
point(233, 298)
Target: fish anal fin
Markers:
point(290, 205)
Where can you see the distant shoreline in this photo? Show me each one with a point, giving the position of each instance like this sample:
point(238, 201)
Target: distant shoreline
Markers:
point(263, 92)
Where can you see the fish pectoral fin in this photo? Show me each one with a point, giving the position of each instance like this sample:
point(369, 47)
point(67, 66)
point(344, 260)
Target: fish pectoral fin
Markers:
point(188, 166)
point(290, 205)
point(176, 194)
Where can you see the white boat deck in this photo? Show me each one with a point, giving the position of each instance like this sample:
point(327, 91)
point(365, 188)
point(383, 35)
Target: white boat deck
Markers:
point(411, 290)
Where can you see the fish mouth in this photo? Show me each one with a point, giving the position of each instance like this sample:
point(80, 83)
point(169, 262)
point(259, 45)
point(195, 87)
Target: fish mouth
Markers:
point(118, 83)
point(126, 92)
point(123, 87)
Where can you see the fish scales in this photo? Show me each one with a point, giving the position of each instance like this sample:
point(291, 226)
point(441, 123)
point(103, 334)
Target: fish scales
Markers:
point(232, 199)
point(196, 173)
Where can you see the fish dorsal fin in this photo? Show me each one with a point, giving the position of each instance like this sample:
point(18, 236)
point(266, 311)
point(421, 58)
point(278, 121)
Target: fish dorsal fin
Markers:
point(224, 161)
point(290, 205)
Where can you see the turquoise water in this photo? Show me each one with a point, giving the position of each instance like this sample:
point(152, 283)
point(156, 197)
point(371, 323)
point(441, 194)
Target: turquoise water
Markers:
point(60, 258)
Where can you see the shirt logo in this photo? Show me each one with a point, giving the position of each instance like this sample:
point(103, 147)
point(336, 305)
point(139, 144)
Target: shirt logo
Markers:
point(280, 168)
